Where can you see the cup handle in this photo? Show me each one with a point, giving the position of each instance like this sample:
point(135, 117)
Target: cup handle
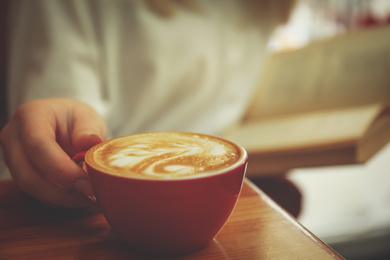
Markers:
point(91, 200)
point(79, 158)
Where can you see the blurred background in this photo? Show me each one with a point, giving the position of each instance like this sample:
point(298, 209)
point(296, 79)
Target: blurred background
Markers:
point(319, 19)
point(348, 207)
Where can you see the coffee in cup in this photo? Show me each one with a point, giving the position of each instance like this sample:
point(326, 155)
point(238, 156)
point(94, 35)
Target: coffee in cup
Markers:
point(164, 155)
point(166, 192)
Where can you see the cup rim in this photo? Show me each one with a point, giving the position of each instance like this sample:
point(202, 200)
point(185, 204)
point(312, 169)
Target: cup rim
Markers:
point(241, 161)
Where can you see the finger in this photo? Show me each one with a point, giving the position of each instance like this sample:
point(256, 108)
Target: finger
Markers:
point(41, 148)
point(84, 141)
point(31, 181)
point(88, 129)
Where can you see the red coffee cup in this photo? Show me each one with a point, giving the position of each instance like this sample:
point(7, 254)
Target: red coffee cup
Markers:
point(167, 216)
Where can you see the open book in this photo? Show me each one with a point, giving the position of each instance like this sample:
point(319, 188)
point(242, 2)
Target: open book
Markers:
point(325, 104)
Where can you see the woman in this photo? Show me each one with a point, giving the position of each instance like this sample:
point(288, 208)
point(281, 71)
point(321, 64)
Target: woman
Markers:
point(82, 71)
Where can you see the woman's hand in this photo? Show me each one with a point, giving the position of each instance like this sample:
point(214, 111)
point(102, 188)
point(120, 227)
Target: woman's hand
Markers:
point(38, 144)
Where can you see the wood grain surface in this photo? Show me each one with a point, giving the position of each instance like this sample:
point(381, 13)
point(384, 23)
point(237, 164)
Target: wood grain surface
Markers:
point(257, 229)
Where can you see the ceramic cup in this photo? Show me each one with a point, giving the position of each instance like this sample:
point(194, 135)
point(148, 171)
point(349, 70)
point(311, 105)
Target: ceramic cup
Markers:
point(165, 216)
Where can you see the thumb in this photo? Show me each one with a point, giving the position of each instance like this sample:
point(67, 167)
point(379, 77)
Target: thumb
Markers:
point(88, 129)
point(84, 141)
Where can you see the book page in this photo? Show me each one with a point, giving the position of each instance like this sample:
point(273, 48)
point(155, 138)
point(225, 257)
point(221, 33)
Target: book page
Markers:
point(288, 133)
point(377, 136)
point(350, 69)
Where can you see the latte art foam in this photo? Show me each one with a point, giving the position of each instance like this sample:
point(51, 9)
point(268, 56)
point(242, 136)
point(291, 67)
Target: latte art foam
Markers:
point(165, 155)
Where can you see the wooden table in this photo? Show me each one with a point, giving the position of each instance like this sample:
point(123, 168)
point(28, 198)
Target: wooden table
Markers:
point(257, 229)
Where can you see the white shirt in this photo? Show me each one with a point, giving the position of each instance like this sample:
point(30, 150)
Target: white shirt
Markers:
point(142, 72)
point(193, 72)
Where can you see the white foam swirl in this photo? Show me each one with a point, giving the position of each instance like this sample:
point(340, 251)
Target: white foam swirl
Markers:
point(167, 155)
